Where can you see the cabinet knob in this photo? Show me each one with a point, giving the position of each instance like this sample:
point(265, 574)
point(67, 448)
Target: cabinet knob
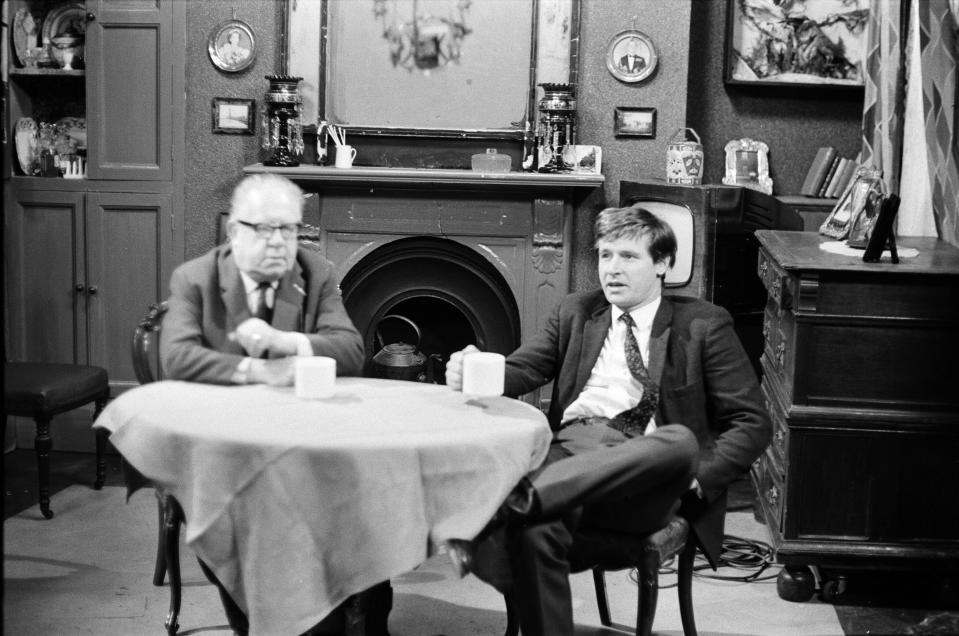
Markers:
point(80, 287)
point(92, 290)
point(90, 16)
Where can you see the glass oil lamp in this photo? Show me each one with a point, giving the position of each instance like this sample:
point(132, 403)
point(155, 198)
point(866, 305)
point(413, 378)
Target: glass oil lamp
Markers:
point(556, 126)
point(282, 126)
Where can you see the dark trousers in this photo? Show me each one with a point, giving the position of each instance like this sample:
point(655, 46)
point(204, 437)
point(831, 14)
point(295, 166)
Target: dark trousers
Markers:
point(363, 614)
point(595, 478)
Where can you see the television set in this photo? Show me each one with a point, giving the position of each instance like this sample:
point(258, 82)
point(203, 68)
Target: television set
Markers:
point(717, 251)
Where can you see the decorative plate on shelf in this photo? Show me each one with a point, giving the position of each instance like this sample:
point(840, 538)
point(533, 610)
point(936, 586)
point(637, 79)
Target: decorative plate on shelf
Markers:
point(25, 30)
point(64, 19)
point(27, 146)
point(75, 128)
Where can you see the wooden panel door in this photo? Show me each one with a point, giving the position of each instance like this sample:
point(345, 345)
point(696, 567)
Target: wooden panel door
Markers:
point(129, 244)
point(45, 276)
point(130, 92)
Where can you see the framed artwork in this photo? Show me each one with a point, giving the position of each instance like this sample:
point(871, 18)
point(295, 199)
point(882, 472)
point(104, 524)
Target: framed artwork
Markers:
point(233, 116)
point(631, 121)
point(631, 56)
point(747, 164)
point(232, 46)
point(816, 42)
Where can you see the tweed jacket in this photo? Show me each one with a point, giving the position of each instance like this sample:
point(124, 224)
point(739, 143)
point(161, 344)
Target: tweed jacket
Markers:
point(706, 384)
point(207, 301)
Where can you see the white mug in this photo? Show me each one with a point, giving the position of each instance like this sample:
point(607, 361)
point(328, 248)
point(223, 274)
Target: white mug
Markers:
point(483, 373)
point(345, 156)
point(314, 377)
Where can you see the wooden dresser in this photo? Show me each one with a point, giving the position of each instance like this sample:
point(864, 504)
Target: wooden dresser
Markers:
point(861, 378)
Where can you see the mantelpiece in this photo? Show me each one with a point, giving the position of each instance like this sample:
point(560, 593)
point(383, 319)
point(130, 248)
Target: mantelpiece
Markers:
point(488, 252)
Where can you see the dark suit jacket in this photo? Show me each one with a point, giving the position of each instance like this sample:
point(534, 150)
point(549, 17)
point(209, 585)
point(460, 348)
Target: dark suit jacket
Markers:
point(207, 302)
point(706, 383)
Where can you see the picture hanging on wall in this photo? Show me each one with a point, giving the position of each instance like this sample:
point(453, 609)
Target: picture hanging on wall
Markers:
point(631, 56)
point(232, 46)
point(233, 116)
point(816, 42)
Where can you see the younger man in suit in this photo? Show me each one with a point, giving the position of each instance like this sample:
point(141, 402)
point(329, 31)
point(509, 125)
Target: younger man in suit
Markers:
point(242, 312)
point(655, 408)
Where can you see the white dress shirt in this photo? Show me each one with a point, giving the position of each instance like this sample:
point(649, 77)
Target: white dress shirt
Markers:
point(611, 388)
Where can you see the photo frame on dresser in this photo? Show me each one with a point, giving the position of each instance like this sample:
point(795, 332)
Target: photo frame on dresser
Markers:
point(747, 164)
point(882, 234)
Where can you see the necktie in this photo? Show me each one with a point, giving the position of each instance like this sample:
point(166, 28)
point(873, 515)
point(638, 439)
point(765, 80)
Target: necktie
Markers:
point(263, 310)
point(633, 421)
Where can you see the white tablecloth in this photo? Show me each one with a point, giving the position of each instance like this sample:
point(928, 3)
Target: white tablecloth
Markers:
point(297, 504)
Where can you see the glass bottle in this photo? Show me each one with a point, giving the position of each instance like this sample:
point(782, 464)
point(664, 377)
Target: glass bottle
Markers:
point(282, 127)
point(556, 127)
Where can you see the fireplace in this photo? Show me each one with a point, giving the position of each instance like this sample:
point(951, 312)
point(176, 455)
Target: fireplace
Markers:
point(470, 258)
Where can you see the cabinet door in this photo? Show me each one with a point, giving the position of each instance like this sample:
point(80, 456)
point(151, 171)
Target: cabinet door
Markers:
point(129, 246)
point(45, 281)
point(129, 83)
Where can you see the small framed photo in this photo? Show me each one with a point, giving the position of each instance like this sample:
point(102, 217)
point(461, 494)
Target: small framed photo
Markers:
point(232, 46)
point(629, 121)
point(233, 116)
point(747, 164)
point(631, 56)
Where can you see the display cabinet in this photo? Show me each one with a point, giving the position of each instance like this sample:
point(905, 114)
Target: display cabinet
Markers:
point(859, 376)
point(92, 185)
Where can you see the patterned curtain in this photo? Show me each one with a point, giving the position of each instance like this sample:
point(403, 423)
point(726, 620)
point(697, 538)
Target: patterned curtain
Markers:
point(939, 51)
point(884, 102)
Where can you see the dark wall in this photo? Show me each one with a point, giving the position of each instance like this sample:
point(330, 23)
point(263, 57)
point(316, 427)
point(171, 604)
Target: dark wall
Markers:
point(793, 122)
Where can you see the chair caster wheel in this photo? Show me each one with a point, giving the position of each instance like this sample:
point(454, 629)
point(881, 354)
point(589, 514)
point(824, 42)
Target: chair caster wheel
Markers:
point(833, 589)
point(47, 513)
point(796, 584)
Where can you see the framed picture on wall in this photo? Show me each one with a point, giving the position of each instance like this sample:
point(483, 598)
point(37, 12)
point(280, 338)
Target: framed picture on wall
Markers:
point(233, 116)
point(631, 56)
point(817, 42)
point(630, 121)
point(231, 46)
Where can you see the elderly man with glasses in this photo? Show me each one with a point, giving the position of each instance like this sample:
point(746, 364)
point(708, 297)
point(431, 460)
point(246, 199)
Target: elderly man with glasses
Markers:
point(242, 312)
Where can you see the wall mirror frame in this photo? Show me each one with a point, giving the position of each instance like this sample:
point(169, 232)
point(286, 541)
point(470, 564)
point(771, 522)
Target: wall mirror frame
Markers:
point(552, 56)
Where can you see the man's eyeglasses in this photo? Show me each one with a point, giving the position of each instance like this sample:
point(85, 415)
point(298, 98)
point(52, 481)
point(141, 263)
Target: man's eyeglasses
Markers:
point(265, 230)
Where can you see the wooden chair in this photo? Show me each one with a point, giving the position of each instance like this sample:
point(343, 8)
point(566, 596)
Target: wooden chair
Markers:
point(41, 390)
point(169, 513)
point(610, 551)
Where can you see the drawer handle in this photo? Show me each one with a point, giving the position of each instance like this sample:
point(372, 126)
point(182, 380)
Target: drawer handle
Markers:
point(780, 438)
point(781, 355)
point(772, 495)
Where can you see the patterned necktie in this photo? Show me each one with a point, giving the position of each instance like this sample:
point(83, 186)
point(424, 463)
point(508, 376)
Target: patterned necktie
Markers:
point(633, 421)
point(263, 310)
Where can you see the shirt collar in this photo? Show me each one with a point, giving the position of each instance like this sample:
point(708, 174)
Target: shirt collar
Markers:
point(251, 285)
point(643, 317)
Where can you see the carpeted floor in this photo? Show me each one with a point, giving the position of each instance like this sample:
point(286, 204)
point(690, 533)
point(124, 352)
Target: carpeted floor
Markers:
point(88, 571)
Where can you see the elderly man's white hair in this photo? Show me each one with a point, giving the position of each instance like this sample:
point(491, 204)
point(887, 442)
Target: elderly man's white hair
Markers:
point(264, 188)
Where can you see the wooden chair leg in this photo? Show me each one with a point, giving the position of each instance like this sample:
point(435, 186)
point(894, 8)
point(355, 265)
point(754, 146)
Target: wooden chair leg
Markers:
point(173, 517)
point(102, 435)
point(512, 620)
point(648, 593)
point(685, 586)
point(159, 568)
point(43, 443)
point(602, 602)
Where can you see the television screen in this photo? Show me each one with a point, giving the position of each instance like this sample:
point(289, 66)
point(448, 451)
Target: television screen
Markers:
point(680, 218)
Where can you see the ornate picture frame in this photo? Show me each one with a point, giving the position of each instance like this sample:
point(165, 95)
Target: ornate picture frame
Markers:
point(634, 121)
point(631, 56)
point(747, 164)
point(233, 116)
point(232, 46)
point(764, 40)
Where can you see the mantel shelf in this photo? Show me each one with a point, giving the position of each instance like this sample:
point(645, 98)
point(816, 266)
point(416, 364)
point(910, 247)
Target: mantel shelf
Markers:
point(322, 175)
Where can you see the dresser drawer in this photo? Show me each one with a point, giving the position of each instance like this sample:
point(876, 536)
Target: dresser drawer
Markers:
point(774, 279)
point(768, 480)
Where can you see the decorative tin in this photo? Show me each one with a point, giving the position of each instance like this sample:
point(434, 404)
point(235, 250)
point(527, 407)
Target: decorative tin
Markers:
point(684, 159)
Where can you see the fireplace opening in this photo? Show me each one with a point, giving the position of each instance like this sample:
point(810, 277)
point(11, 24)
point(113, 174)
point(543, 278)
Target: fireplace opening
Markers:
point(453, 295)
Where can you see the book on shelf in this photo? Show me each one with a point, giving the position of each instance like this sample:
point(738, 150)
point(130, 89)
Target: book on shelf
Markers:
point(848, 174)
point(817, 171)
point(830, 192)
point(821, 193)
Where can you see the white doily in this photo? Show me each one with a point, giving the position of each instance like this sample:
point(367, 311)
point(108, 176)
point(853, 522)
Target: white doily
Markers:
point(840, 248)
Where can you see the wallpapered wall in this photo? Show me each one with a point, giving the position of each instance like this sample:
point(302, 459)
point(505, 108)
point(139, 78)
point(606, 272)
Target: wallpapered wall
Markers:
point(689, 36)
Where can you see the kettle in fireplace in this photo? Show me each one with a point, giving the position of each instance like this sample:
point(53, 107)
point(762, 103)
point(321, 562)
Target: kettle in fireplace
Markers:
point(400, 360)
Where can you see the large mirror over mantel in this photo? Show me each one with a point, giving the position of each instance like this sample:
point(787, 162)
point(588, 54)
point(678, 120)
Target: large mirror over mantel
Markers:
point(427, 83)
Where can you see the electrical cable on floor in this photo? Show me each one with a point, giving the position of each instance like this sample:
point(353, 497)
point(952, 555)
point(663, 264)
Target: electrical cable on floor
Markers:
point(749, 555)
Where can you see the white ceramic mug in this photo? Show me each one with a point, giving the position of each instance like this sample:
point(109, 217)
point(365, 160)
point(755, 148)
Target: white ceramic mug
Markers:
point(345, 156)
point(483, 373)
point(314, 377)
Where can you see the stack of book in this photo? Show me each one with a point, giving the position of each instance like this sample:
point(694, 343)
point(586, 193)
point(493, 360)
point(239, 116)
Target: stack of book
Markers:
point(829, 174)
